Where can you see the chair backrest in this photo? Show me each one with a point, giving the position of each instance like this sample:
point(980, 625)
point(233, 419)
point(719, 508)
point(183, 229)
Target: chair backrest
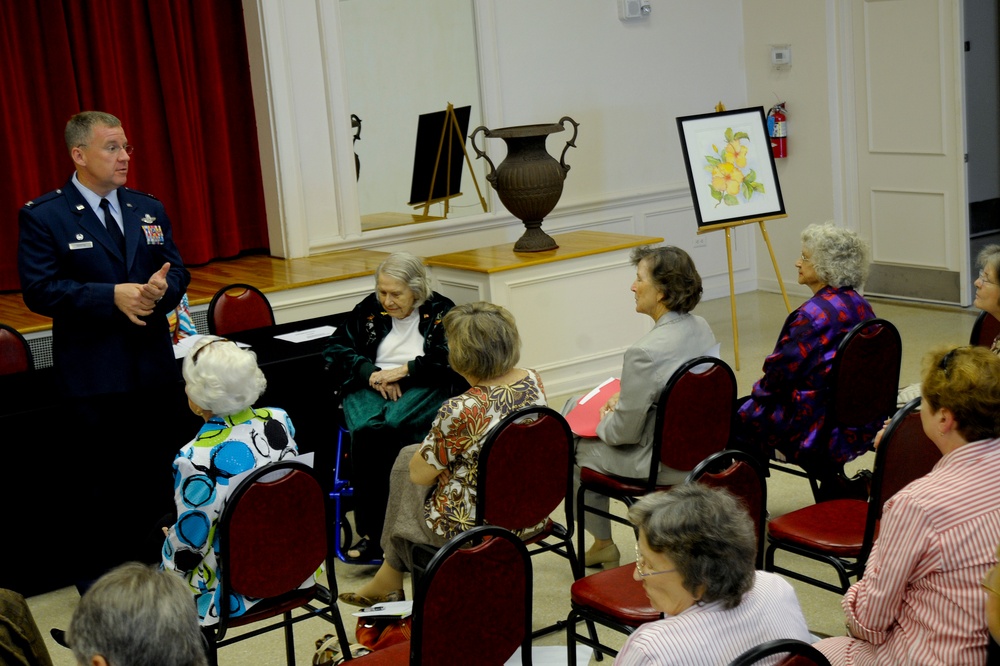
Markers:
point(525, 469)
point(864, 376)
point(740, 474)
point(694, 415)
point(904, 454)
point(800, 654)
point(238, 307)
point(474, 603)
point(985, 330)
point(15, 354)
point(272, 531)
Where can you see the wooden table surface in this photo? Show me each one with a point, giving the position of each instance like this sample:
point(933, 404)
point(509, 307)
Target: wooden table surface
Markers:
point(571, 245)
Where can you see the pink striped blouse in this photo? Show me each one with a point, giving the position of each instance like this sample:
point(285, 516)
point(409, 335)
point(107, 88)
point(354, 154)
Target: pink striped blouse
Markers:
point(920, 600)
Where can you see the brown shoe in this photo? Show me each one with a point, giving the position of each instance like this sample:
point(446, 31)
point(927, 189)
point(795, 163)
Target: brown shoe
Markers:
point(355, 599)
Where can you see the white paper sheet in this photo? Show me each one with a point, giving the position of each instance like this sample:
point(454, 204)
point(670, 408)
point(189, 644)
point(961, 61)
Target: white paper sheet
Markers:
point(308, 334)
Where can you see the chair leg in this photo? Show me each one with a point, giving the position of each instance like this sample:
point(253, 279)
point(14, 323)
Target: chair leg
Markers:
point(571, 639)
point(592, 630)
point(572, 620)
point(211, 651)
point(581, 537)
point(289, 640)
point(338, 624)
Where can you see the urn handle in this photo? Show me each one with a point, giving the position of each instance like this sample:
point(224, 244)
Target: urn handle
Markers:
point(571, 142)
point(492, 175)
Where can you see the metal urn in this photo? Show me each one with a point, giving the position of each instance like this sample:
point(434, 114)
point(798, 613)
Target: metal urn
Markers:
point(528, 181)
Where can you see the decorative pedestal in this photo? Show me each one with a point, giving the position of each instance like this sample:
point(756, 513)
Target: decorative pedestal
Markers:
point(573, 307)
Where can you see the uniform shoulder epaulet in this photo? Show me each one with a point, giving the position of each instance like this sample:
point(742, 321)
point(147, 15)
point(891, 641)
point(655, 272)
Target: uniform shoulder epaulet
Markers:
point(48, 196)
point(145, 194)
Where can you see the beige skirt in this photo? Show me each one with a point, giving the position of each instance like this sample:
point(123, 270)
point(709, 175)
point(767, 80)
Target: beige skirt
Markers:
point(405, 524)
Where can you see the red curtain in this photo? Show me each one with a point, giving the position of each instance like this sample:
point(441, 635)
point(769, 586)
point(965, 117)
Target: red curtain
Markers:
point(177, 75)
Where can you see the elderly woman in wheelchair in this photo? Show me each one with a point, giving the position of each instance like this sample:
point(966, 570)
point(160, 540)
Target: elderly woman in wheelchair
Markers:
point(433, 484)
point(389, 362)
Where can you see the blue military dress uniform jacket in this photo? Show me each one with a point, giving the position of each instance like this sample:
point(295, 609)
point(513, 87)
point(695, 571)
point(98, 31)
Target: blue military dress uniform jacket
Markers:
point(69, 266)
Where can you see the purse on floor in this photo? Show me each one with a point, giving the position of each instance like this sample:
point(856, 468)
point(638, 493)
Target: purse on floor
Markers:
point(378, 633)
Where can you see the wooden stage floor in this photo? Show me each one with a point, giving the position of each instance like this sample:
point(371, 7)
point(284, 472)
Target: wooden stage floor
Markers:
point(268, 274)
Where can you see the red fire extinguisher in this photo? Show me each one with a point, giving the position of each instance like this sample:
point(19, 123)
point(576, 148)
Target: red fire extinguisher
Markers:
point(778, 130)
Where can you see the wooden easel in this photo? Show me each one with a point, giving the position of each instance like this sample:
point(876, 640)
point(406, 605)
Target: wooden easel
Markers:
point(729, 258)
point(450, 120)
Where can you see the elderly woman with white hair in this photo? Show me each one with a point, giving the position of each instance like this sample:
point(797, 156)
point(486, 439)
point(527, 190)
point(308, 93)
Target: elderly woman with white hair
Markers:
point(222, 382)
point(785, 412)
point(389, 362)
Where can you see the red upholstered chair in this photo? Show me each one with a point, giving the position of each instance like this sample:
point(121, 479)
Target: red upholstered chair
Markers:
point(985, 330)
point(863, 383)
point(472, 605)
point(15, 354)
point(842, 532)
point(238, 307)
point(525, 472)
point(693, 420)
point(615, 600)
point(273, 536)
point(740, 474)
point(799, 654)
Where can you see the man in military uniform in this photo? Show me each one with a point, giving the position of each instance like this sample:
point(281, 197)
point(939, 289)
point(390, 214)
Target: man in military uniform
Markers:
point(100, 260)
point(108, 284)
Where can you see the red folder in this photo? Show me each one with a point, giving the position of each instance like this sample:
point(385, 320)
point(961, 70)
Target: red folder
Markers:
point(583, 419)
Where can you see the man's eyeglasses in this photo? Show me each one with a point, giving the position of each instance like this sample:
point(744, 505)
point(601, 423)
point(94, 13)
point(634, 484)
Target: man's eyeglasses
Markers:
point(113, 148)
point(640, 565)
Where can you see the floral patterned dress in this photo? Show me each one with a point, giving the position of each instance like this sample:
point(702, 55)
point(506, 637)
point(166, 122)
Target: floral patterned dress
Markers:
point(455, 440)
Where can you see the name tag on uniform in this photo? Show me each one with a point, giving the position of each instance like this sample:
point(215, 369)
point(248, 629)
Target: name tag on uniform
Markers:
point(86, 245)
point(154, 234)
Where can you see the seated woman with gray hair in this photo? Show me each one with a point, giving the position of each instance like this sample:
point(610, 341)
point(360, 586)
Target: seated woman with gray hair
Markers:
point(988, 286)
point(135, 615)
point(389, 362)
point(433, 484)
point(784, 415)
point(695, 560)
point(222, 383)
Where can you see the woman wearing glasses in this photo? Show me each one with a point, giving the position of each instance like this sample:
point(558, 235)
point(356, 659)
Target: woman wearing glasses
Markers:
point(222, 383)
point(987, 299)
point(921, 599)
point(785, 411)
point(695, 560)
point(988, 286)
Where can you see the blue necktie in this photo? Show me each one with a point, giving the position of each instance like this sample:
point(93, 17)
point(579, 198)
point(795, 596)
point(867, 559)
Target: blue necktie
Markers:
point(112, 226)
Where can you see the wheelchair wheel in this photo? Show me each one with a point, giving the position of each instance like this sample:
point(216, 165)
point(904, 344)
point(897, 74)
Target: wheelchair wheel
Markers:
point(346, 535)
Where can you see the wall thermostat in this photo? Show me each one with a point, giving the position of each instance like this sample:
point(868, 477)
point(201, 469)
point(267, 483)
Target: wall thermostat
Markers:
point(781, 56)
point(629, 10)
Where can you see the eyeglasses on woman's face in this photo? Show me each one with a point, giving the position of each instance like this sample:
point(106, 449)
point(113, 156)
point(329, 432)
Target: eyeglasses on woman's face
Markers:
point(985, 278)
point(640, 565)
